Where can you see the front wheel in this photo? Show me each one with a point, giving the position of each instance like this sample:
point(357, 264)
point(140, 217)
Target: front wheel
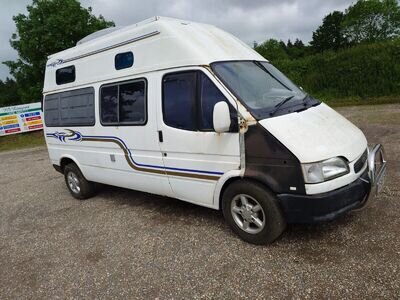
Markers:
point(252, 212)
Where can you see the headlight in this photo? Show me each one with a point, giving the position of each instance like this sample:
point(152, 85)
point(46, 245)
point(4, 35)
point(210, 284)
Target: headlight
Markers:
point(325, 170)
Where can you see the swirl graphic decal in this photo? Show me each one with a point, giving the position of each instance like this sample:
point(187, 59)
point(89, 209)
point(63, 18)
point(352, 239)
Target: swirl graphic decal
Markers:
point(70, 135)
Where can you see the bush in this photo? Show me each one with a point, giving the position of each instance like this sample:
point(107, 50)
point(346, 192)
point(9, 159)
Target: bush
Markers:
point(361, 71)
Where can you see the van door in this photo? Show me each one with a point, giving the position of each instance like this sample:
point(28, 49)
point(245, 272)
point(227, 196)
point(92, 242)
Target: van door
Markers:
point(123, 150)
point(194, 155)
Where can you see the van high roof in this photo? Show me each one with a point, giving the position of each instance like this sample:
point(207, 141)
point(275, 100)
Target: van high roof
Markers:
point(156, 43)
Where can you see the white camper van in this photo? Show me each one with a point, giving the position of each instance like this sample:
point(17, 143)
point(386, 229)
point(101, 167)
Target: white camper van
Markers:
point(186, 110)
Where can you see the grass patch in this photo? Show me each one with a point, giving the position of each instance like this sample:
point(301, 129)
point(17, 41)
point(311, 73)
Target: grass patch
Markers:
point(354, 101)
point(22, 140)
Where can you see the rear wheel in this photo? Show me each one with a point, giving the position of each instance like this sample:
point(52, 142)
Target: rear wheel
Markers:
point(77, 184)
point(253, 212)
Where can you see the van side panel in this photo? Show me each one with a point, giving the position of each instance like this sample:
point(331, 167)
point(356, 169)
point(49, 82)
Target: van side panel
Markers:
point(185, 165)
point(111, 154)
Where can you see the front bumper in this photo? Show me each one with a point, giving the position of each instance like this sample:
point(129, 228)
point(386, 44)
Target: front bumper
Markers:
point(329, 206)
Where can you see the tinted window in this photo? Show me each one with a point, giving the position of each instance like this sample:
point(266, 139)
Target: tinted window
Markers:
point(179, 93)
point(65, 75)
point(123, 103)
point(209, 96)
point(51, 110)
point(131, 102)
point(123, 60)
point(71, 108)
point(109, 104)
point(189, 99)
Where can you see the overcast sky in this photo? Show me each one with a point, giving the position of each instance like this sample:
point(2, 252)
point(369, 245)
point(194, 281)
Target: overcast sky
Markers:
point(250, 20)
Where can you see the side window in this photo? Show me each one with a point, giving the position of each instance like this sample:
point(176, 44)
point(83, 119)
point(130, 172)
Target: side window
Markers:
point(179, 94)
point(65, 75)
point(123, 103)
point(189, 99)
point(109, 104)
point(123, 60)
point(70, 108)
point(131, 103)
point(209, 96)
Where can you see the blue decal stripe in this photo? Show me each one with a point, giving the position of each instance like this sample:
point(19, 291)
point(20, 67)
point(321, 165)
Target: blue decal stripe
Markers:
point(77, 136)
point(150, 166)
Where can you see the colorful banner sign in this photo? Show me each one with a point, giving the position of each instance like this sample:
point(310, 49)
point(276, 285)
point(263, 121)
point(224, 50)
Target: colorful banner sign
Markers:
point(20, 118)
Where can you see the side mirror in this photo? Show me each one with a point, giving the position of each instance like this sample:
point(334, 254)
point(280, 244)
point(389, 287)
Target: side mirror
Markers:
point(221, 117)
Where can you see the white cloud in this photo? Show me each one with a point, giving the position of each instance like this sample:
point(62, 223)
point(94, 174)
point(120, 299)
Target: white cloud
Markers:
point(252, 20)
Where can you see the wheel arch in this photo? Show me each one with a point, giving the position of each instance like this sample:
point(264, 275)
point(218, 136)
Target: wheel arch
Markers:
point(67, 159)
point(230, 180)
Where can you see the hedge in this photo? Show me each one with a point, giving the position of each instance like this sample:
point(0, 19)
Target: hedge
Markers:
point(361, 71)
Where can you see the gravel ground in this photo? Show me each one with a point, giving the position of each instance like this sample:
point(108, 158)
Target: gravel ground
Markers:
point(123, 243)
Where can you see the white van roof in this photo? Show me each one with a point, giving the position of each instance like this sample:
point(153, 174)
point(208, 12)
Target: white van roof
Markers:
point(157, 43)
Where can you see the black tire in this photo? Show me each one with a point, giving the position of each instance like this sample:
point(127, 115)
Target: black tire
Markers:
point(85, 188)
point(270, 215)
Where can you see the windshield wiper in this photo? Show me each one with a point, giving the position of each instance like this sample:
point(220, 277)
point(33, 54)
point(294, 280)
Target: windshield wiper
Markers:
point(308, 99)
point(279, 105)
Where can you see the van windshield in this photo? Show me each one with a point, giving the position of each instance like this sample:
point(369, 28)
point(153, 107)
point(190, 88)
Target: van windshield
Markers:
point(259, 85)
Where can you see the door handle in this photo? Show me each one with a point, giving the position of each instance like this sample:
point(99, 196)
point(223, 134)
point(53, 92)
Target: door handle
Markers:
point(160, 136)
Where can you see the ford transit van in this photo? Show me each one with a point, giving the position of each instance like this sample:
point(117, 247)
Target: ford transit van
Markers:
point(186, 110)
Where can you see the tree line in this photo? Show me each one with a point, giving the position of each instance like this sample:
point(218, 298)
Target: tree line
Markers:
point(366, 21)
point(355, 53)
point(352, 53)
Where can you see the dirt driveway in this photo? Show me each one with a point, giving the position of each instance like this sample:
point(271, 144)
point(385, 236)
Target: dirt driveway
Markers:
point(126, 244)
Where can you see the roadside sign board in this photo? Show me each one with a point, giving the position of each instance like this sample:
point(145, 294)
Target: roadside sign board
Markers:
point(20, 118)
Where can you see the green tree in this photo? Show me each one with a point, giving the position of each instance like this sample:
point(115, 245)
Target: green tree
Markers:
point(49, 27)
point(297, 49)
point(329, 36)
point(272, 50)
point(8, 92)
point(372, 21)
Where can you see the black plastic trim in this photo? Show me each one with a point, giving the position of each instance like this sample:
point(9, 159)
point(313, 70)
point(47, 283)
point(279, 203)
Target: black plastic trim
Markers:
point(57, 168)
point(327, 206)
point(359, 164)
point(271, 163)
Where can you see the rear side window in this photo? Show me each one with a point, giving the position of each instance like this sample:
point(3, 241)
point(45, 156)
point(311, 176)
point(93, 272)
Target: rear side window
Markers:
point(124, 103)
point(109, 104)
point(132, 103)
point(189, 99)
point(123, 60)
point(71, 108)
point(65, 75)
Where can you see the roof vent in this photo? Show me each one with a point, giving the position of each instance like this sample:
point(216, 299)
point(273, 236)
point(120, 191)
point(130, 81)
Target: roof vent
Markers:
point(97, 34)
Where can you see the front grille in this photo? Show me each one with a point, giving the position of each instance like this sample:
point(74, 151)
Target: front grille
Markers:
point(360, 162)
